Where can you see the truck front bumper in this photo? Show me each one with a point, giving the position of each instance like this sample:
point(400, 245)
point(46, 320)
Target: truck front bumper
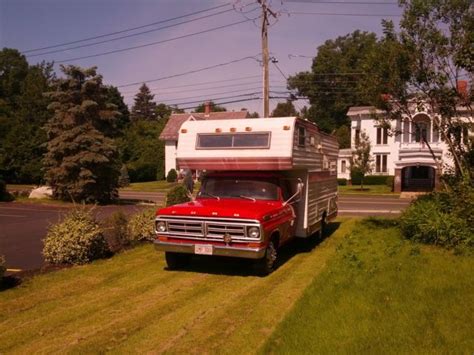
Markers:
point(219, 250)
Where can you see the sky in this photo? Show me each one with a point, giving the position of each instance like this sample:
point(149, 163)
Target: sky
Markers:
point(231, 34)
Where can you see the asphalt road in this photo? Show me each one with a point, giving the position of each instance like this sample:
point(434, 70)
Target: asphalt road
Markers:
point(23, 226)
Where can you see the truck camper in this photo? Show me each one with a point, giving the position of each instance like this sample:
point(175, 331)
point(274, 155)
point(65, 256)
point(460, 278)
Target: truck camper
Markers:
point(266, 181)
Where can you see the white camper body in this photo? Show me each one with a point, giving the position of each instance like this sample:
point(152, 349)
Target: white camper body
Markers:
point(290, 146)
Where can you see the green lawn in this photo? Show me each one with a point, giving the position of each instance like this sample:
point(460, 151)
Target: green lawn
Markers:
point(363, 289)
point(381, 294)
point(367, 190)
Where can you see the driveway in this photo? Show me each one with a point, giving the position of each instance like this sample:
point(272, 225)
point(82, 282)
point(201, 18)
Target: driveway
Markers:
point(23, 227)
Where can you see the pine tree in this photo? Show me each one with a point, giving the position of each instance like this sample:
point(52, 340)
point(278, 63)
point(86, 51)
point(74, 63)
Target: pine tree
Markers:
point(144, 107)
point(82, 162)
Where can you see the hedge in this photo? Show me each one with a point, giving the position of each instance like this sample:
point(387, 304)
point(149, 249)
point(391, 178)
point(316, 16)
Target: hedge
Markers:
point(342, 182)
point(373, 180)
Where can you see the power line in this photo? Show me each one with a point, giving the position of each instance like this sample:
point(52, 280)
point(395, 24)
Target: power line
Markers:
point(224, 103)
point(161, 93)
point(206, 97)
point(340, 14)
point(189, 72)
point(344, 2)
point(130, 35)
point(127, 29)
point(153, 43)
point(217, 98)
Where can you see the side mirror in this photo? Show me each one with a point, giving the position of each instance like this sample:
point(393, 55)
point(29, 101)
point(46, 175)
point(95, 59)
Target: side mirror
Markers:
point(297, 195)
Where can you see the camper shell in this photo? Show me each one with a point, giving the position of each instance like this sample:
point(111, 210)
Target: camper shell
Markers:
point(291, 152)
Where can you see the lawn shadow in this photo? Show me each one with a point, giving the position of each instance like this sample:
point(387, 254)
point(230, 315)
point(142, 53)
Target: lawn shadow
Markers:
point(221, 265)
point(8, 282)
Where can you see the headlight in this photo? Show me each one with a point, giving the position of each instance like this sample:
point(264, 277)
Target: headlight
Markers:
point(161, 226)
point(253, 232)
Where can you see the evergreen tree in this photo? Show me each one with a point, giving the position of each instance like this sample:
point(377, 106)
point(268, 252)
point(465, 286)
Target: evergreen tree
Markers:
point(115, 97)
point(82, 162)
point(144, 108)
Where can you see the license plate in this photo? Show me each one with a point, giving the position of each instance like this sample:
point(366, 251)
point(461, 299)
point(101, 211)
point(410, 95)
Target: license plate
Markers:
point(203, 249)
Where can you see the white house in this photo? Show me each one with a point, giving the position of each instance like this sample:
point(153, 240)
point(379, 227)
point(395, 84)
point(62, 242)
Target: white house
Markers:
point(403, 155)
point(171, 130)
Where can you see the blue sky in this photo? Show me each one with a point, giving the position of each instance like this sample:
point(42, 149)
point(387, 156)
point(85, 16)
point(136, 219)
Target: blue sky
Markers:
point(30, 24)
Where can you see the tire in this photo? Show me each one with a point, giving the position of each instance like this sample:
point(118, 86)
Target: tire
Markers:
point(323, 226)
point(176, 261)
point(267, 264)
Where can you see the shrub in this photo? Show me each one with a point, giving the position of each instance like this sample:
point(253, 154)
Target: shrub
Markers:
point(124, 179)
point(78, 239)
point(139, 171)
point(178, 194)
point(342, 182)
point(172, 176)
point(141, 226)
point(5, 196)
point(430, 220)
point(3, 268)
point(356, 176)
point(116, 231)
point(389, 181)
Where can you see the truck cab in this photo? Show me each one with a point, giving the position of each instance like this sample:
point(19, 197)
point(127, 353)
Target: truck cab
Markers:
point(266, 182)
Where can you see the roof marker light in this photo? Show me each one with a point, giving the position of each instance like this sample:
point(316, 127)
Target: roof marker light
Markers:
point(218, 130)
point(248, 129)
point(233, 129)
point(286, 128)
point(184, 130)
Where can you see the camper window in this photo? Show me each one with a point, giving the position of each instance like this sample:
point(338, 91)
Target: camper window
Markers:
point(301, 136)
point(236, 140)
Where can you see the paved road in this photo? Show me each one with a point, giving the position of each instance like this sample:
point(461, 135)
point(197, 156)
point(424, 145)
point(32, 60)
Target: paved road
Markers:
point(23, 226)
point(350, 205)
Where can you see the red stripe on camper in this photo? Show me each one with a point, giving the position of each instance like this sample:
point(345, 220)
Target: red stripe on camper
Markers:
point(236, 163)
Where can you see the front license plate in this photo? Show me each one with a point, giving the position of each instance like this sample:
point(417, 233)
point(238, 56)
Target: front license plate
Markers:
point(203, 249)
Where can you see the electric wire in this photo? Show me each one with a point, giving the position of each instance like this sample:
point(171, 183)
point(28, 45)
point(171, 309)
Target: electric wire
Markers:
point(126, 30)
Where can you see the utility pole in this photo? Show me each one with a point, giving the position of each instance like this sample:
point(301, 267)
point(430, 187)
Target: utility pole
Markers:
point(265, 56)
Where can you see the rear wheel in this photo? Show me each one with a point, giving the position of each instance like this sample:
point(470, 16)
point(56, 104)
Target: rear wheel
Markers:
point(176, 260)
point(267, 264)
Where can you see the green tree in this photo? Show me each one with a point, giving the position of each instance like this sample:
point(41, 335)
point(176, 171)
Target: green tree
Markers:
point(361, 159)
point(336, 79)
point(163, 111)
point(114, 96)
point(422, 66)
point(213, 106)
point(82, 162)
point(144, 108)
point(142, 150)
point(343, 135)
point(284, 109)
point(23, 112)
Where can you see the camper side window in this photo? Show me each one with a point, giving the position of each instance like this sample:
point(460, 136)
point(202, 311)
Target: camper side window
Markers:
point(301, 136)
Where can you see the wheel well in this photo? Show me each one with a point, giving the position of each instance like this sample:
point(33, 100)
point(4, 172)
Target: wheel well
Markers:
point(275, 236)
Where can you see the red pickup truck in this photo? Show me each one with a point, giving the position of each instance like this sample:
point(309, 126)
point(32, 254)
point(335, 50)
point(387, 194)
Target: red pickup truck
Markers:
point(268, 181)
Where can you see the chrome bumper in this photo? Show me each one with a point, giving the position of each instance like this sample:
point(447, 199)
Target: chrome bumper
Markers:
point(248, 253)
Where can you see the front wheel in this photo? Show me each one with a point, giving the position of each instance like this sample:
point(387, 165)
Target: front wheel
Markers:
point(176, 261)
point(267, 264)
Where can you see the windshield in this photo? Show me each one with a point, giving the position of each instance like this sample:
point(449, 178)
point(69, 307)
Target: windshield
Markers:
point(245, 188)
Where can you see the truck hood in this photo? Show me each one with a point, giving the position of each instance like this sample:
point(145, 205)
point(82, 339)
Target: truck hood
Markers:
point(223, 208)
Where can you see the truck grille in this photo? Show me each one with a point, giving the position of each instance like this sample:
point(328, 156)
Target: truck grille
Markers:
point(210, 229)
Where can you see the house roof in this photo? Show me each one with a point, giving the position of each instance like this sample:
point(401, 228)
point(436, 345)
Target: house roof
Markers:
point(171, 130)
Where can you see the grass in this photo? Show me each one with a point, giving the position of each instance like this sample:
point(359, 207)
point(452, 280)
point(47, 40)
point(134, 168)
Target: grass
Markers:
point(130, 303)
point(362, 290)
point(368, 190)
point(381, 294)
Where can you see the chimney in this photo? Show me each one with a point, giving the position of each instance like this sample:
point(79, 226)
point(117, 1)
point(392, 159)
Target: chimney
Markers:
point(461, 87)
point(207, 108)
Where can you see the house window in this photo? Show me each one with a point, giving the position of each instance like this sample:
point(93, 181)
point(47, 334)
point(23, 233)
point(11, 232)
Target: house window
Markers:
point(382, 135)
point(406, 131)
point(381, 163)
point(301, 136)
point(343, 166)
